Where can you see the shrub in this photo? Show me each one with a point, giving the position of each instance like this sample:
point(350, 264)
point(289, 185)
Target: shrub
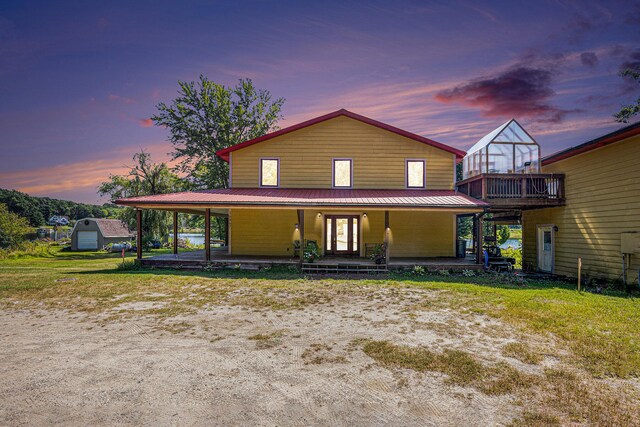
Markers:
point(468, 273)
point(28, 249)
point(13, 228)
point(418, 270)
point(444, 272)
point(513, 253)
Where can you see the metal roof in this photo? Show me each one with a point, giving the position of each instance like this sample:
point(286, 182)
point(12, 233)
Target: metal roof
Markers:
point(310, 197)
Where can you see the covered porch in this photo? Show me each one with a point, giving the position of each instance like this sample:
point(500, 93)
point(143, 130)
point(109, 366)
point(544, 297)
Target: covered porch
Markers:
point(401, 228)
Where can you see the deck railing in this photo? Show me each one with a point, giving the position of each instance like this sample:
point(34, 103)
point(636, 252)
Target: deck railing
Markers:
point(529, 187)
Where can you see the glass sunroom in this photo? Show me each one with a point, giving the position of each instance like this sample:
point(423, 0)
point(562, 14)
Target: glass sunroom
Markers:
point(508, 149)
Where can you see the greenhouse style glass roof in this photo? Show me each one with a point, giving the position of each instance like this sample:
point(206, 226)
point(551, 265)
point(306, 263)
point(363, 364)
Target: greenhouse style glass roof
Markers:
point(507, 149)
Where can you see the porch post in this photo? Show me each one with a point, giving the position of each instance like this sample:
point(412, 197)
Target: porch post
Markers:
point(139, 234)
point(226, 231)
point(207, 234)
point(301, 230)
point(387, 230)
point(175, 232)
point(479, 227)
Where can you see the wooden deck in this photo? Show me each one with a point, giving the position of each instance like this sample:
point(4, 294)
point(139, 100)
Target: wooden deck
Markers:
point(515, 191)
point(330, 264)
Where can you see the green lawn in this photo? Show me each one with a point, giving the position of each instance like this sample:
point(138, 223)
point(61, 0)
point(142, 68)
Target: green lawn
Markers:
point(600, 330)
point(596, 334)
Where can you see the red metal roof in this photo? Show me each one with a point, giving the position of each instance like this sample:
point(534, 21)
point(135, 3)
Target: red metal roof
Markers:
point(610, 138)
point(310, 197)
point(224, 153)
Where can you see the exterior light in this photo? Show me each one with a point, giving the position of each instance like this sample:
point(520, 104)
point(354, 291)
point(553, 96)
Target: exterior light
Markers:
point(319, 214)
point(364, 215)
point(297, 226)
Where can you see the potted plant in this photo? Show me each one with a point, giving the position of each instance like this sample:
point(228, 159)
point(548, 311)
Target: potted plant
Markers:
point(310, 251)
point(379, 254)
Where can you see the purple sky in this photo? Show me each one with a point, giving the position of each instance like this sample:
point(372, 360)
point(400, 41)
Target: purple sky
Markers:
point(79, 80)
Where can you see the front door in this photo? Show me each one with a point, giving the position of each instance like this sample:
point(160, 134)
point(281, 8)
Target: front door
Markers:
point(342, 234)
point(545, 248)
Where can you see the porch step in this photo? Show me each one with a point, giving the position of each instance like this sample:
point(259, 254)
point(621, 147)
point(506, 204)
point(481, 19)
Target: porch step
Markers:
point(326, 268)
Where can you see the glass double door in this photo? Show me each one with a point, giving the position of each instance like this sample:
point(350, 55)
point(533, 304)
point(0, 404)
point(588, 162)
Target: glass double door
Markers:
point(342, 234)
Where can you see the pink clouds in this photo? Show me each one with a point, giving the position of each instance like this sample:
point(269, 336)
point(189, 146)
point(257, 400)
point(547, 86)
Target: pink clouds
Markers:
point(145, 123)
point(520, 91)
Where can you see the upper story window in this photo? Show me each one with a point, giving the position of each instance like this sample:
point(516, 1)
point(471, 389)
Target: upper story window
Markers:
point(269, 172)
point(415, 174)
point(342, 173)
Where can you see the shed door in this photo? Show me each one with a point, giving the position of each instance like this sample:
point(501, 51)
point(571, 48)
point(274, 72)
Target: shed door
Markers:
point(545, 248)
point(87, 240)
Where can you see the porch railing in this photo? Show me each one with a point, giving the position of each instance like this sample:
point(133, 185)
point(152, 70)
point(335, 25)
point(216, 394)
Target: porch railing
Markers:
point(543, 187)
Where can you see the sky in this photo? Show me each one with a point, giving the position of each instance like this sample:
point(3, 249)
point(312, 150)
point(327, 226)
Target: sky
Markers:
point(79, 80)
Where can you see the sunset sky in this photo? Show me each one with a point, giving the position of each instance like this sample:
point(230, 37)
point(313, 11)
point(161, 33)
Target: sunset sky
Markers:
point(79, 80)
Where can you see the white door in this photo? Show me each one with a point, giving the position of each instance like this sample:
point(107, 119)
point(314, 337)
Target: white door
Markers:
point(545, 248)
point(88, 240)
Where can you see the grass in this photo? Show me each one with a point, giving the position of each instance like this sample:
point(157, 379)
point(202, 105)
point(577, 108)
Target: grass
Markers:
point(460, 367)
point(557, 397)
point(522, 352)
point(599, 331)
point(595, 334)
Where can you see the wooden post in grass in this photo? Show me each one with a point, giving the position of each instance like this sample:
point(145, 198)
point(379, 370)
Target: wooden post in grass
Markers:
point(175, 232)
point(207, 234)
point(579, 272)
point(139, 234)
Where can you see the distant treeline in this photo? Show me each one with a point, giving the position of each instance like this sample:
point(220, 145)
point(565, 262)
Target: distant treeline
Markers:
point(38, 210)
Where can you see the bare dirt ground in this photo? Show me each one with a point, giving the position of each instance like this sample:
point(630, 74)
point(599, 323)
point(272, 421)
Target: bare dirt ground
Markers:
point(236, 365)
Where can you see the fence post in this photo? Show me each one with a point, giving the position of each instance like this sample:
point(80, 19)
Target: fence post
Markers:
point(579, 272)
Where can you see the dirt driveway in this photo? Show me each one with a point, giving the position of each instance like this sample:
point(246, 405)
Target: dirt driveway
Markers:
point(235, 365)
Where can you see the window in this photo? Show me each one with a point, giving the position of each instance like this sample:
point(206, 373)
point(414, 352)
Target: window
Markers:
point(415, 174)
point(342, 173)
point(269, 172)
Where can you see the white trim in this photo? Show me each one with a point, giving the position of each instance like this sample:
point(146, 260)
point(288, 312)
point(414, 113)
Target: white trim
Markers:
point(333, 172)
point(424, 174)
point(277, 159)
point(553, 247)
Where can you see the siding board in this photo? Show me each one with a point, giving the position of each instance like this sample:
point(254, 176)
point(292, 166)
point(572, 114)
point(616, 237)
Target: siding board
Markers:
point(602, 200)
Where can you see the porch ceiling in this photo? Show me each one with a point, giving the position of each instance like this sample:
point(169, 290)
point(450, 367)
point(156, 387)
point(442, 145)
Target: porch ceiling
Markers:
point(300, 198)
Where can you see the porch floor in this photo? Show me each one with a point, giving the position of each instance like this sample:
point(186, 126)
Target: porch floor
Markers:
point(220, 256)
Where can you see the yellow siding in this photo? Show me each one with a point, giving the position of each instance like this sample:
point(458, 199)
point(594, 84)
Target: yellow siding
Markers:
point(422, 234)
point(378, 157)
point(272, 231)
point(603, 200)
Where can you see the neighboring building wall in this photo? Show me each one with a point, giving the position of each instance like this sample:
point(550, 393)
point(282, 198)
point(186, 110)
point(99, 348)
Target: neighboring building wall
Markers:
point(602, 200)
point(272, 231)
point(378, 157)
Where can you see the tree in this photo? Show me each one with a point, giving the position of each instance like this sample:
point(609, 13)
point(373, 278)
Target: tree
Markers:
point(628, 111)
point(502, 234)
point(13, 228)
point(207, 117)
point(144, 179)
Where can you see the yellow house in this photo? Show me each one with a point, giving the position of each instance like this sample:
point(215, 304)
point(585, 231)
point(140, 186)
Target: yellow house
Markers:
point(342, 181)
point(600, 222)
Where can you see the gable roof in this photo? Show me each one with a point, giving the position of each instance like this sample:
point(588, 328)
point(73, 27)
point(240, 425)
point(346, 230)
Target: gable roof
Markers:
point(610, 138)
point(224, 153)
point(108, 227)
point(509, 131)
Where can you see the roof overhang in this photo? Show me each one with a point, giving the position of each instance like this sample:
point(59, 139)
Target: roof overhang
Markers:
point(306, 198)
point(224, 153)
point(610, 138)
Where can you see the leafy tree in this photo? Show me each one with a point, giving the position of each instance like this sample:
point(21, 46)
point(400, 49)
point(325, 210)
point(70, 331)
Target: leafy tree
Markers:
point(144, 179)
point(628, 111)
point(13, 228)
point(502, 234)
point(207, 117)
